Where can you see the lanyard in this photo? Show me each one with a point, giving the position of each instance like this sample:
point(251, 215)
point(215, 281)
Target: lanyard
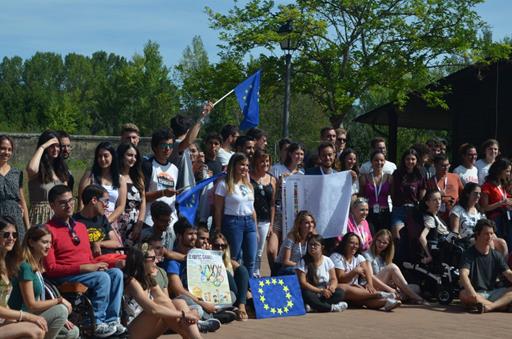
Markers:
point(377, 191)
point(360, 232)
point(445, 184)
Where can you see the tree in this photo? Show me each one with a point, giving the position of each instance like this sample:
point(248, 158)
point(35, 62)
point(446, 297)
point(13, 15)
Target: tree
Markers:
point(349, 46)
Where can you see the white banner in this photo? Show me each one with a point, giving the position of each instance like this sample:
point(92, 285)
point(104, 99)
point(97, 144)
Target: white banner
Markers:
point(207, 277)
point(327, 197)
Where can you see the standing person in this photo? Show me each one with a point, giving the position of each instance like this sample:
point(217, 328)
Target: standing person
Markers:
point(481, 266)
point(212, 146)
point(357, 223)
point(14, 324)
point(65, 150)
point(348, 162)
point(45, 169)
point(449, 184)
point(495, 201)
point(376, 188)
point(235, 215)
point(259, 136)
point(318, 280)
point(130, 133)
point(379, 144)
point(292, 164)
point(28, 287)
point(467, 170)
point(130, 168)
point(229, 135)
point(246, 145)
point(328, 134)
point(407, 189)
point(12, 198)
point(105, 172)
point(327, 155)
point(264, 186)
point(282, 145)
point(490, 150)
point(341, 140)
point(294, 247)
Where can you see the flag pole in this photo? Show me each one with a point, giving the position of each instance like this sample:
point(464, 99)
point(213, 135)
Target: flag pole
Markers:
point(224, 97)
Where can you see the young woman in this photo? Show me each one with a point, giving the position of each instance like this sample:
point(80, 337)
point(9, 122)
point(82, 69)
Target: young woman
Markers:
point(235, 216)
point(467, 170)
point(293, 162)
point(294, 247)
point(105, 172)
point(150, 311)
point(407, 189)
point(495, 201)
point(464, 216)
point(264, 186)
point(348, 162)
point(386, 275)
point(14, 324)
point(433, 226)
point(376, 188)
point(355, 276)
point(130, 162)
point(357, 222)
point(490, 150)
point(318, 281)
point(237, 275)
point(28, 287)
point(12, 199)
point(45, 169)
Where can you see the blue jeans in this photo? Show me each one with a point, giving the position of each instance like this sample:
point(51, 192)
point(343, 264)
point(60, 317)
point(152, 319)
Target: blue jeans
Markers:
point(105, 289)
point(239, 284)
point(242, 239)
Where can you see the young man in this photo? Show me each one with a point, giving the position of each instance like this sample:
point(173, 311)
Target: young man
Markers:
point(327, 155)
point(481, 266)
point(212, 146)
point(103, 239)
point(203, 238)
point(70, 259)
point(160, 175)
point(328, 134)
point(229, 134)
point(341, 140)
point(177, 273)
point(259, 136)
point(378, 144)
point(246, 145)
point(65, 150)
point(130, 133)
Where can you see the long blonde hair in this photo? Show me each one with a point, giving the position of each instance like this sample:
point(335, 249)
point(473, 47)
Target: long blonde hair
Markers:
point(294, 233)
point(33, 234)
point(226, 255)
point(231, 175)
point(389, 253)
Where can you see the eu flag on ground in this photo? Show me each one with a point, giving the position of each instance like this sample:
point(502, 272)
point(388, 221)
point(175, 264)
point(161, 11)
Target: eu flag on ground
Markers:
point(188, 201)
point(248, 96)
point(277, 296)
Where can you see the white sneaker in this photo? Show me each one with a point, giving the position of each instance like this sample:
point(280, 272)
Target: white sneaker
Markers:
point(120, 329)
point(339, 307)
point(307, 308)
point(386, 295)
point(104, 330)
point(391, 304)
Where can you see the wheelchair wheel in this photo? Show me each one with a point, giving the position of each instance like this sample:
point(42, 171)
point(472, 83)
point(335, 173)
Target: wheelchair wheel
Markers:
point(83, 315)
point(444, 296)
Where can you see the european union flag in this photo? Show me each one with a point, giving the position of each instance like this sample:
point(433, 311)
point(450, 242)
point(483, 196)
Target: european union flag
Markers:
point(248, 96)
point(188, 201)
point(277, 296)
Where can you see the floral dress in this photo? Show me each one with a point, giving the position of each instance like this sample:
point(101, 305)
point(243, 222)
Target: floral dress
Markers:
point(131, 212)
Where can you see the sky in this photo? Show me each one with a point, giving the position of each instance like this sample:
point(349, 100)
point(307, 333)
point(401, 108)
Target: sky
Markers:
point(124, 26)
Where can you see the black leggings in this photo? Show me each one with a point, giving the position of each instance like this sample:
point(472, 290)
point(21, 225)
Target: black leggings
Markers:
point(319, 303)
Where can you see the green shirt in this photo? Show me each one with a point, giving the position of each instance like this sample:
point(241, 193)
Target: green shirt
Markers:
point(161, 278)
point(25, 274)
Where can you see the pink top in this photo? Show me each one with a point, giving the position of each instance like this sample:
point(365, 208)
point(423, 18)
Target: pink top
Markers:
point(362, 230)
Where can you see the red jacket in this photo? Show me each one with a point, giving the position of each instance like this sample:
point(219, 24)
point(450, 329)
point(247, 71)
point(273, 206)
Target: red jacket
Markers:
point(64, 257)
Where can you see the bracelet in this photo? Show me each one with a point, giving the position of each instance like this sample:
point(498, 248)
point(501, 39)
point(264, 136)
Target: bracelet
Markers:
point(21, 316)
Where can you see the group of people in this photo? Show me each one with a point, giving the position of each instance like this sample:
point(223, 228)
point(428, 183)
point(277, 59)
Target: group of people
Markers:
point(122, 236)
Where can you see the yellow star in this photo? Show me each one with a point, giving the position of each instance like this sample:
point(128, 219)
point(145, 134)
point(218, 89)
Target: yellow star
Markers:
point(267, 282)
point(290, 303)
point(273, 310)
point(279, 311)
point(285, 310)
point(281, 282)
point(260, 290)
point(274, 281)
point(266, 307)
point(288, 296)
point(286, 289)
point(262, 298)
point(261, 284)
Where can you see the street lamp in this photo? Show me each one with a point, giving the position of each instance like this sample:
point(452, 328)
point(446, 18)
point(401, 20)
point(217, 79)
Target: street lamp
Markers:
point(288, 45)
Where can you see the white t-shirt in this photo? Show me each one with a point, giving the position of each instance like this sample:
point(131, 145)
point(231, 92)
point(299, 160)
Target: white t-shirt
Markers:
point(322, 271)
point(467, 221)
point(466, 174)
point(162, 177)
point(366, 168)
point(341, 263)
point(377, 262)
point(223, 156)
point(483, 170)
point(240, 202)
point(434, 222)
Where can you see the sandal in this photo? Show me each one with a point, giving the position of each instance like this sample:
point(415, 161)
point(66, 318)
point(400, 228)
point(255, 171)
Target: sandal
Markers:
point(241, 315)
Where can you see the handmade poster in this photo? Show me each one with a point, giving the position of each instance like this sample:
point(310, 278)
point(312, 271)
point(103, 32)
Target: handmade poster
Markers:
point(207, 277)
point(327, 197)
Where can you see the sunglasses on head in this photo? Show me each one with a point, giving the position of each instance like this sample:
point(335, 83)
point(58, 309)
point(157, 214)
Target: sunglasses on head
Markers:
point(14, 235)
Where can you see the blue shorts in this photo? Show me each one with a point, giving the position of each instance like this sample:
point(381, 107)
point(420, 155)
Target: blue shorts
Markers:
point(495, 294)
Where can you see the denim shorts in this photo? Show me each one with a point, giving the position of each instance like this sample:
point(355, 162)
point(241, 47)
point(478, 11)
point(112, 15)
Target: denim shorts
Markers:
point(495, 294)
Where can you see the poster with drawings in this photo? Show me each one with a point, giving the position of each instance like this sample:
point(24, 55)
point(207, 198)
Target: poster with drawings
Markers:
point(207, 277)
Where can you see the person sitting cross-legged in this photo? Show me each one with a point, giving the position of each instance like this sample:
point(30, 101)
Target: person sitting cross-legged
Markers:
point(70, 259)
point(481, 266)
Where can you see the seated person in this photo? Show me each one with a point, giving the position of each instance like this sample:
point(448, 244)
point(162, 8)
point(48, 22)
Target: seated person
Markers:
point(101, 235)
point(433, 227)
point(70, 259)
point(203, 238)
point(318, 280)
point(481, 266)
point(155, 243)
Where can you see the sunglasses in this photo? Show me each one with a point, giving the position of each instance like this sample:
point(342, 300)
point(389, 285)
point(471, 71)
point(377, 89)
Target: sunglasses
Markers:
point(151, 258)
point(74, 237)
point(342, 139)
point(164, 146)
point(14, 235)
point(219, 246)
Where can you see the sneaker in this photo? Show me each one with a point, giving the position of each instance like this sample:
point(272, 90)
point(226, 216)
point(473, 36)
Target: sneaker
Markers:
point(339, 307)
point(104, 330)
point(120, 329)
point(225, 316)
point(386, 295)
point(210, 325)
point(391, 304)
point(308, 308)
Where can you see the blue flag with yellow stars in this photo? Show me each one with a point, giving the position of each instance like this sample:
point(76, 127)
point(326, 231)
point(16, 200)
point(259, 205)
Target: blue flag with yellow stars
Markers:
point(248, 96)
point(277, 297)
